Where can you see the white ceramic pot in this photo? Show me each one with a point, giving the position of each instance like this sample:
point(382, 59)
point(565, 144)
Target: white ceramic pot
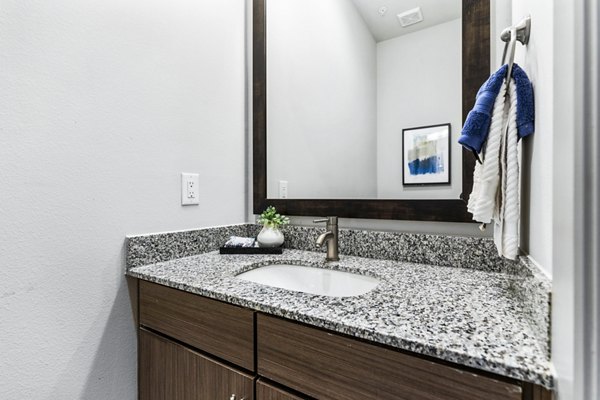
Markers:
point(270, 237)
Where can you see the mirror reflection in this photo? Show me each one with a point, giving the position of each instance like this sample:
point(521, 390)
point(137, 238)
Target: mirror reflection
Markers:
point(350, 84)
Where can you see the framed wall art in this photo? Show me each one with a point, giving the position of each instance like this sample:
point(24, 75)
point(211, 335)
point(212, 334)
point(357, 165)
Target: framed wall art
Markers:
point(426, 155)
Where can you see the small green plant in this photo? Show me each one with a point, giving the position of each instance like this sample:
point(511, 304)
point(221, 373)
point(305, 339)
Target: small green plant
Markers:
point(271, 218)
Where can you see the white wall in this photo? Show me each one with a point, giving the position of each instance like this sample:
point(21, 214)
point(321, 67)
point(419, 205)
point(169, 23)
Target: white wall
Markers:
point(412, 92)
point(537, 150)
point(568, 318)
point(102, 105)
point(321, 94)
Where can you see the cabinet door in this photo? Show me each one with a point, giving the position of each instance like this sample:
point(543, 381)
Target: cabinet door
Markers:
point(265, 391)
point(169, 371)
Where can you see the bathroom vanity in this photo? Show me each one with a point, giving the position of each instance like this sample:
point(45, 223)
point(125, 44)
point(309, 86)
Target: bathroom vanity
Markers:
point(448, 319)
point(254, 345)
point(424, 332)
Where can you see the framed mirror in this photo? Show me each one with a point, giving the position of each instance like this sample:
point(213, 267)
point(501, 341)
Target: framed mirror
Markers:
point(337, 84)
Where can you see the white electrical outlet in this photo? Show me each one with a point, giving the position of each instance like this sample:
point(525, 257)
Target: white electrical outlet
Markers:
point(283, 189)
point(190, 184)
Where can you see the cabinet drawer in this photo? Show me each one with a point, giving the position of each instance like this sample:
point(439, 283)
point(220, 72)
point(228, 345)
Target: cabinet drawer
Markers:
point(330, 366)
point(169, 371)
point(221, 329)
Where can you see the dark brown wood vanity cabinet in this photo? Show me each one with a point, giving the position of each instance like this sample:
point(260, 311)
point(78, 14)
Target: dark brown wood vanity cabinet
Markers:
point(170, 371)
point(219, 361)
point(332, 367)
point(221, 329)
point(192, 347)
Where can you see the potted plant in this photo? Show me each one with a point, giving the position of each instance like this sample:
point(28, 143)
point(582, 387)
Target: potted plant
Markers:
point(271, 235)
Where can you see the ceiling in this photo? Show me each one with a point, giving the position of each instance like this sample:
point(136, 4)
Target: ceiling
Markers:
point(386, 27)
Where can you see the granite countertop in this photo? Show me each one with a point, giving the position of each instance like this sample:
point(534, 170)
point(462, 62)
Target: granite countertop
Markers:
point(465, 316)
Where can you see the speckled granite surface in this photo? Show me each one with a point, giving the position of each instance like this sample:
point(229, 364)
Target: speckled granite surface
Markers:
point(470, 317)
point(157, 247)
point(534, 292)
point(449, 251)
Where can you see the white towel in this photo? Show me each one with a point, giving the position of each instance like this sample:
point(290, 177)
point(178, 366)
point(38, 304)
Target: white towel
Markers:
point(482, 201)
point(506, 226)
point(495, 195)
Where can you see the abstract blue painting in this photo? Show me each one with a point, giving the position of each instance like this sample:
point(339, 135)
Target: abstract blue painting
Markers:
point(426, 155)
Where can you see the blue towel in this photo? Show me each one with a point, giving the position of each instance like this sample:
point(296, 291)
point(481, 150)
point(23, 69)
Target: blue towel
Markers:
point(477, 125)
point(525, 104)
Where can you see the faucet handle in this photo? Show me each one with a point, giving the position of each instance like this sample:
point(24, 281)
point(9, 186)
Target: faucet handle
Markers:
point(329, 220)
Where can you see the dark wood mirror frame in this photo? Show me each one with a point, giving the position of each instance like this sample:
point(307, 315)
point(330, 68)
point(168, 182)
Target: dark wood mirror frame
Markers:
point(475, 70)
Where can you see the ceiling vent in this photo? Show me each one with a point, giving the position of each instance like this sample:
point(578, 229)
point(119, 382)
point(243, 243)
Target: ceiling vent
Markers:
point(410, 17)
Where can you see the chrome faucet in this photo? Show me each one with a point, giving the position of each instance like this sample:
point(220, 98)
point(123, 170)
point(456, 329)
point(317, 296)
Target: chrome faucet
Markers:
point(330, 237)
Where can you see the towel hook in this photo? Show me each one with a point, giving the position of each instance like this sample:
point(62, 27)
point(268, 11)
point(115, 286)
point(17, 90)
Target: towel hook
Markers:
point(523, 31)
point(511, 35)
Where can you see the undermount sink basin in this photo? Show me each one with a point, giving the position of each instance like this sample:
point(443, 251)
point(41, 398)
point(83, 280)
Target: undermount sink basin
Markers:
point(324, 282)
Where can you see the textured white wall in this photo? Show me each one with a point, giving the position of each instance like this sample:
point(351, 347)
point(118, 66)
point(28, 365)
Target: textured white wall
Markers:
point(102, 105)
point(321, 94)
point(419, 82)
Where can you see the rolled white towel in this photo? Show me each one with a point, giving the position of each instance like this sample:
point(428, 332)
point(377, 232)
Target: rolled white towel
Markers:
point(506, 226)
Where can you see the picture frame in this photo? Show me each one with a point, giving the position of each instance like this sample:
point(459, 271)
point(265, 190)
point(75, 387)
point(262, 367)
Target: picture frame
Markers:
point(426, 158)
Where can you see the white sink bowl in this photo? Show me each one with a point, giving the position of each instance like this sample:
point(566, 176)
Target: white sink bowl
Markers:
point(324, 282)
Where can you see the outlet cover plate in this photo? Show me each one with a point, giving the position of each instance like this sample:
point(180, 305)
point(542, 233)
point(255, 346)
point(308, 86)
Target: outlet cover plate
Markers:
point(190, 184)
